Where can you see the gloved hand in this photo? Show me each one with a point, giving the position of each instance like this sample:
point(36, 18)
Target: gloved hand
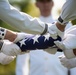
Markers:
point(67, 45)
point(12, 49)
point(20, 36)
point(9, 48)
point(69, 63)
point(5, 59)
point(54, 31)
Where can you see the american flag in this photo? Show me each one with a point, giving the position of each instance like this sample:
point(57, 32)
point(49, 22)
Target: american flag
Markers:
point(34, 42)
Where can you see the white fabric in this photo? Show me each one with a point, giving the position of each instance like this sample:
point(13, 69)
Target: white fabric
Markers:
point(69, 42)
point(5, 59)
point(18, 19)
point(22, 64)
point(54, 31)
point(71, 30)
point(9, 48)
point(69, 63)
point(73, 71)
point(48, 19)
point(43, 63)
point(19, 37)
point(40, 62)
point(21, 21)
point(68, 11)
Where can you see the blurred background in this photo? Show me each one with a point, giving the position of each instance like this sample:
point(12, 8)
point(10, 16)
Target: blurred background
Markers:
point(29, 7)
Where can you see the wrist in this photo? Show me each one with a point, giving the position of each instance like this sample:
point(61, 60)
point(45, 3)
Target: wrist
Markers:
point(45, 30)
point(19, 36)
point(60, 27)
point(10, 35)
point(61, 21)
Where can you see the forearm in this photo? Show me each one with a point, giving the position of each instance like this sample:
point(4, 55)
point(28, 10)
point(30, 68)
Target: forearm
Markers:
point(19, 20)
point(30, 42)
point(44, 40)
point(33, 41)
point(60, 27)
point(68, 13)
point(7, 34)
point(10, 35)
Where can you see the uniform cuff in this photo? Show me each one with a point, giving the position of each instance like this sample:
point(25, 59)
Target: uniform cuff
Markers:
point(45, 30)
point(61, 21)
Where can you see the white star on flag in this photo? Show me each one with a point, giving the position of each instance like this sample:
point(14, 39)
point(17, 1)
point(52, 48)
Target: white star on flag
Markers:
point(46, 37)
point(22, 42)
point(35, 39)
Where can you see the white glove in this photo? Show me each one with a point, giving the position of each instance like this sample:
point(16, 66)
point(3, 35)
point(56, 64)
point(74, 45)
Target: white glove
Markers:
point(20, 36)
point(5, 59)
point(11, 49)
point(54, 31)
point(69, 63)
point(67, 45)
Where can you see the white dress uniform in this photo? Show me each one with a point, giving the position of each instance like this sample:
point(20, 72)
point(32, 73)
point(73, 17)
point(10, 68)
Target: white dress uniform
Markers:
point(40, 62)
point(21, 21)
point(26, 23)
point(68, 11)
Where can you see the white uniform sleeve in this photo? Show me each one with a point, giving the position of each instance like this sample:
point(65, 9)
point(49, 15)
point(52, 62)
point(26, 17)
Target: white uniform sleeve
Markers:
point(68, 11)
point(20, 20)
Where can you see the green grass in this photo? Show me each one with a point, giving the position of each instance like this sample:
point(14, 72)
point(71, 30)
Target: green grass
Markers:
point(8, 69)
